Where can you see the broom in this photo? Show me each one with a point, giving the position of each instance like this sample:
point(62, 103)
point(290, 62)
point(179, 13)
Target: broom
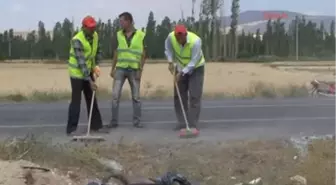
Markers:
point(185, 132)
point(88, 137)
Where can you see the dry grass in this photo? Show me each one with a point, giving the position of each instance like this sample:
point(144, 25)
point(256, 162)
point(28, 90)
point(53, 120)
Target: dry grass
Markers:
point(209, 163)
point(51, 82)
point(304, 63)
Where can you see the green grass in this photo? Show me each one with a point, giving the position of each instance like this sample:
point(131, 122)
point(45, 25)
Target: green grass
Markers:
point(255, 90)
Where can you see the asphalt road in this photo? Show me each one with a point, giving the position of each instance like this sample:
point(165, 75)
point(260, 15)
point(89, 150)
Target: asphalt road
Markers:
point(220, 119)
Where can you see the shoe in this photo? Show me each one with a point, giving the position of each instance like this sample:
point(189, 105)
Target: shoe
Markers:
point(179, 127)
point(71, 131)
point(138, 125)
point(113, 124)
point(103, 130)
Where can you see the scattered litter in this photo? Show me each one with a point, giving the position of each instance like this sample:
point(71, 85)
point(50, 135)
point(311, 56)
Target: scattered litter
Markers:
point(298, 180)
point(35, 168)
point(256, 181)
point(301, 143)
point(111, 165)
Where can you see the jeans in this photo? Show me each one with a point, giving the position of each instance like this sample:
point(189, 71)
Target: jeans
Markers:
point(119, 79)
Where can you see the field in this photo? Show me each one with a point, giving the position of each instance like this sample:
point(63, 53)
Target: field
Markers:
point(50, 81)
point(229, 162)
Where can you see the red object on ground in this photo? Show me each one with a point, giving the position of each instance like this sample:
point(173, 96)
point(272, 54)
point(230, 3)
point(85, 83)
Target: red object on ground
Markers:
point(185, 133)
point(332, 88)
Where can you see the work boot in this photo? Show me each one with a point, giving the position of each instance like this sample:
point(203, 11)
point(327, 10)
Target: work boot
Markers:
point(103, 130)
point(71, 131)
point(179, 126)
point(138, 125)
point(113, 124)
point(192, 125)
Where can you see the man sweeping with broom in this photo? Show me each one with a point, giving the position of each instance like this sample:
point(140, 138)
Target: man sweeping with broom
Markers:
point(84, 58)
point(183, 50)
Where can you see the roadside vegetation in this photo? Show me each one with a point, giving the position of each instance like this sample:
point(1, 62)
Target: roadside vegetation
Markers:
point(49, 82)
point(274, 161)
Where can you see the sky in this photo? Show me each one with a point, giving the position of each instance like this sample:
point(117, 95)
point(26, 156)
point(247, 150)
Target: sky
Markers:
point(23, 15)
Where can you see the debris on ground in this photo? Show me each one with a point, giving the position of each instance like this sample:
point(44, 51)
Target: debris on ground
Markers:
point(111, 165)
point(26, 173)
point(301, 143)
point(298, 180)
point(245, 162)
point(256, 181)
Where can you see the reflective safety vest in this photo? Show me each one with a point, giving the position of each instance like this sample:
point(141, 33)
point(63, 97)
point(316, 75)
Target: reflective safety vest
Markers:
point(90, 53)
point(130, 56)
point(183, 54)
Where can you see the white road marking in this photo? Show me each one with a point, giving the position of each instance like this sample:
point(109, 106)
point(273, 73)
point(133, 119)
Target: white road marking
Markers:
point(171, 107)
point(172, 122)
point(244, 106)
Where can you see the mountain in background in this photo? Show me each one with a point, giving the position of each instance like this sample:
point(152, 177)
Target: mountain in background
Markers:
point(251, 20)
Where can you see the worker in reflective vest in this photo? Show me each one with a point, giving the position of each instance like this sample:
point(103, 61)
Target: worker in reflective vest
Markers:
point(183, 50)
point(128, 63)
point(83, 67)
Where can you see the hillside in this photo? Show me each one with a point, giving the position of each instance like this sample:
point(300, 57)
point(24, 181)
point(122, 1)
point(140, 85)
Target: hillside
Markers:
point(252, 20)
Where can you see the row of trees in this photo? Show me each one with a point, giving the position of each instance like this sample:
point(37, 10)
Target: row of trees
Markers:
point(314, 40)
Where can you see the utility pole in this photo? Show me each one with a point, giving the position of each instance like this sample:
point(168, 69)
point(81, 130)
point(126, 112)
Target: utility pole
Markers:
point(10, 48)
point(223, 27)
point(297, 38)
point(237, 32)
point(73, 28)
point(193, 14)
point(182, 13)
point(214, 5)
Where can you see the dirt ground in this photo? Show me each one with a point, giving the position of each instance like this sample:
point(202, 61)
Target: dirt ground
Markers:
point(231, 162)
point(231, 78)
point(17, 173)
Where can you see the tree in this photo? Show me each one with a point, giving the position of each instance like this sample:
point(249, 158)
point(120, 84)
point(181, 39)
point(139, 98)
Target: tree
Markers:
point(313, 40)
point(150, 39)
point(162, 31)
point(233, 30)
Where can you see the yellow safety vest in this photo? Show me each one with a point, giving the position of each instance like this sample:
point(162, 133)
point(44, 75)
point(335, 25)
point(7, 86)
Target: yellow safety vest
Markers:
point(183, 55)
point(130, 57)
point(90, 53)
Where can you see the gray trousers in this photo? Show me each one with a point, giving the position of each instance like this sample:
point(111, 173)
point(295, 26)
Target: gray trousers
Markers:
point(191, 90)
point(119, 79)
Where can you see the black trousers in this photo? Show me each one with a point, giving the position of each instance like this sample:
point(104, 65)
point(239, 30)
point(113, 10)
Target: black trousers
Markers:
point(77, 86)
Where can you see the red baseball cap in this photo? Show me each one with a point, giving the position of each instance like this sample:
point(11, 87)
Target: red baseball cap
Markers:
point(180, 29)
point(89, 22)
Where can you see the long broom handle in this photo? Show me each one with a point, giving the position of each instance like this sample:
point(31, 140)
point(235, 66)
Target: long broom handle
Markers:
point(91, 108)
point(90, 113)
point(180, 100)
